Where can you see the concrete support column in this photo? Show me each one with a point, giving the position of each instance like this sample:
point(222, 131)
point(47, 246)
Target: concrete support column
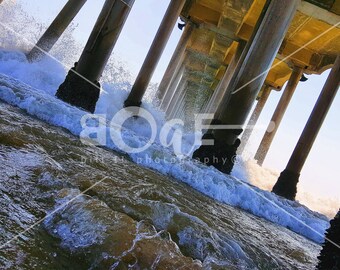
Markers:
point(173, 86)
point(56, 29)
point(81, 87)
point(154, 54)
point(187, 108)
point(180, 113)
point(176, 113)
point(254, 117)
point(224, 90)
point(278, 115)
point(204, 106)
point(223, 85)
point(286, 185)
point(246, 83)
point(178, 95)
point(176, 60)
point(179, 110)
point(103, 38)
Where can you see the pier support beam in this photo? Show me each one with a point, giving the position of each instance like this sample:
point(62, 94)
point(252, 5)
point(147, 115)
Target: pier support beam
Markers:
point(172, 88)
point(154, 54)
point(246, 84)
point(81, 87)
point(223, 85)
point(176, 60)
point(56, 29)
point(178, 94)
point(254, 117)
point(278, 115)
point(286, 185)
point(176, 112)
point(179, 109)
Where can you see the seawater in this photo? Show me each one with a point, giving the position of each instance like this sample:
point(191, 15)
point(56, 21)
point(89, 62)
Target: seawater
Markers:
point(140, 210)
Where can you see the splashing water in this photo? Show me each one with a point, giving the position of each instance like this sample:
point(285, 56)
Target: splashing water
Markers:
point(205, 179)
point(265, 179)
point(128, 215)
point(32, 87)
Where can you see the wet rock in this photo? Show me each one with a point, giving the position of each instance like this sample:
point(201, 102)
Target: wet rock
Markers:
point(87, 226)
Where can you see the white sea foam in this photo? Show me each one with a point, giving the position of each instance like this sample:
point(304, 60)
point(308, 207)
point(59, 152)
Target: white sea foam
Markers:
point(265, 179)
point(227, 189)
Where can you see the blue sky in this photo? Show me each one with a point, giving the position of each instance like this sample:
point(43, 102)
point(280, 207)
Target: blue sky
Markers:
point(321, 172)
